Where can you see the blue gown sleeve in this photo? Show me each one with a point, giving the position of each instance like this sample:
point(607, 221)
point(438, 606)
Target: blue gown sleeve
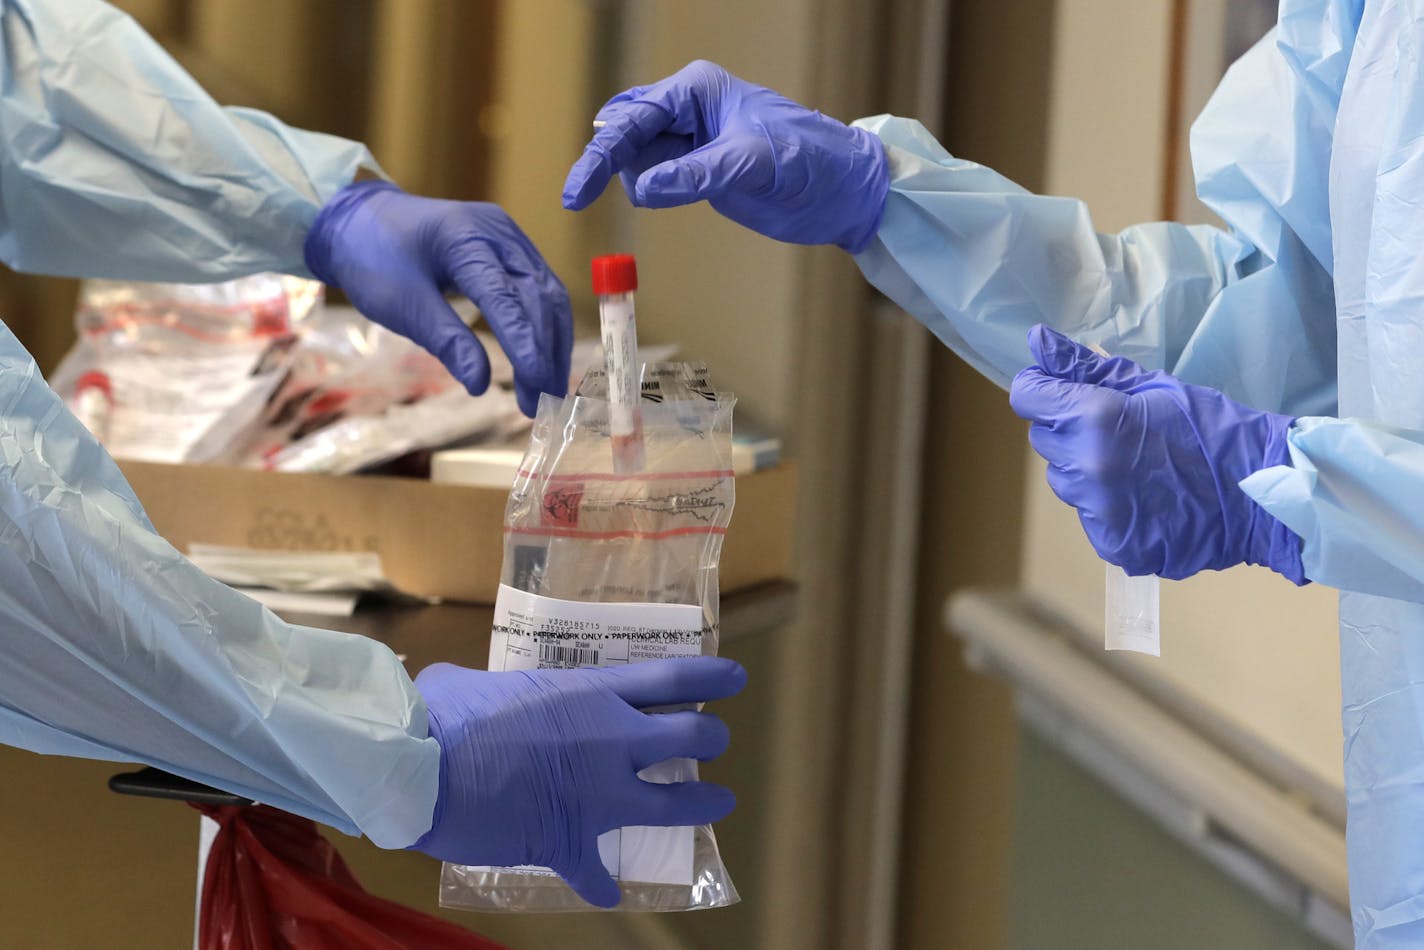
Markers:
point(115, 163)
point(117, 647)
point(1351, 492)
point(1248, 311)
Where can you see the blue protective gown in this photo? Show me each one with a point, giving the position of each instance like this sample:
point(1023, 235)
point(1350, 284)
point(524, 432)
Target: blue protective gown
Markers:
point(114, 163)
point(1312, 151)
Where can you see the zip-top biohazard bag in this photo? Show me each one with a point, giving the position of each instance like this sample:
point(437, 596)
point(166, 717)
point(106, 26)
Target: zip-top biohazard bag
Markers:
point(604, 569)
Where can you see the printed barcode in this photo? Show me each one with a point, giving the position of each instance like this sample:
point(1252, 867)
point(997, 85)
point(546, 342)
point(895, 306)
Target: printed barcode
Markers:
point(567, 656)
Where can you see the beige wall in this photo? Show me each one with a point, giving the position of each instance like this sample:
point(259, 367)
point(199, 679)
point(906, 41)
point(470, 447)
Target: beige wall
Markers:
point(956, 885)
point(238, 38)
point(1107, 118)
point(537, 124)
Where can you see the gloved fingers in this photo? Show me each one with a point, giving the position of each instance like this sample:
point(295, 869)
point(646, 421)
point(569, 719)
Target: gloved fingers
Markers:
point(629, 127)
point(692, 98)
point(1097, 531)
point(674, 682)
point(1052, 445)
point(526, 271)
point(1059, 356)
point(1084, 464)
point(560, 314)
point(590, 879)
point(555, 330)
point(511, 311)
point(439, 329)
point(666, 147)
point(681, 735)
point(630, 186)
point(1066, 484)
point(680, 803)
point(1036, 396)
point(725, 165)
point(548, 297)
point(1064, 405)
point(1096, 510)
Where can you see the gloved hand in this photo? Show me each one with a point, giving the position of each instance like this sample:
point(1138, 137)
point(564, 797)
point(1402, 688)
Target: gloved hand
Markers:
point(759, 158)
point(1153, 464)
point(535, 765)
point(396, 255)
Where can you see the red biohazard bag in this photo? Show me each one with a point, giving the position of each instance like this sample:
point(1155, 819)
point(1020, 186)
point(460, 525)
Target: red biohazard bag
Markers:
point(273, 882)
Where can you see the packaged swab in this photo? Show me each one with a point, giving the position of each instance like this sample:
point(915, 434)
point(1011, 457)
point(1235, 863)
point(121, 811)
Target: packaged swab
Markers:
point(1132, 607)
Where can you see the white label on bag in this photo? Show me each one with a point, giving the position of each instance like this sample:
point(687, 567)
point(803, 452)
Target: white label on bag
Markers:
point(540, 633)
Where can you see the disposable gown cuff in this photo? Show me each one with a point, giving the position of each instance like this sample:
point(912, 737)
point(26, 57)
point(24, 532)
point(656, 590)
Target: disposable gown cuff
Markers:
point(317, 248)
point(427, 840)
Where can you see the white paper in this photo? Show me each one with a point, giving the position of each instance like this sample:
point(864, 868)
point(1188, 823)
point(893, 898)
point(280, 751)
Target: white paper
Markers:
point(298, 571)
point(533, 632)
point(283, 601)
point(207, 834)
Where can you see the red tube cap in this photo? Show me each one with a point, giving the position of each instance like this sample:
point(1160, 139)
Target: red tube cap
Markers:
point(615, 274)
point(95, 379)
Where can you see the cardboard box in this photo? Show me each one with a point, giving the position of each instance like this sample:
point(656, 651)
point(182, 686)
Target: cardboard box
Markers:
point(435, 540)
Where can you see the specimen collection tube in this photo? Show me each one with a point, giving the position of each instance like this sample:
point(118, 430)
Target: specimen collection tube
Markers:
point(93, 403)
point(615, 277)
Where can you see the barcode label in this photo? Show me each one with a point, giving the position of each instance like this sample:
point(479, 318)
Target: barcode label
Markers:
point(567, 656)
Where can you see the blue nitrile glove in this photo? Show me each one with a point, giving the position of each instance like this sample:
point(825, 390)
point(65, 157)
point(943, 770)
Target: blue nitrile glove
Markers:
point(1153, 464)
point(535, 765)
point(760, 159)
point(396, 255)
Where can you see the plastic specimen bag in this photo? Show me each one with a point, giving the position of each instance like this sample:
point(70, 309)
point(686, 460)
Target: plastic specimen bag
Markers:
point(187, 368)
point(602, 569)
point(359, 395)
point(259, 372)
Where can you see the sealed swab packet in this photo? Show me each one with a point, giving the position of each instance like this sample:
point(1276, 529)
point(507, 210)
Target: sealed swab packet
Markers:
point(1131, 605)
point(1131, 611)
point(604, 568)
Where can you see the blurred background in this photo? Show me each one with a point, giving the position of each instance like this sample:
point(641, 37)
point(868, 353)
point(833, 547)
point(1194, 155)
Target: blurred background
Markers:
point(890, 795)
